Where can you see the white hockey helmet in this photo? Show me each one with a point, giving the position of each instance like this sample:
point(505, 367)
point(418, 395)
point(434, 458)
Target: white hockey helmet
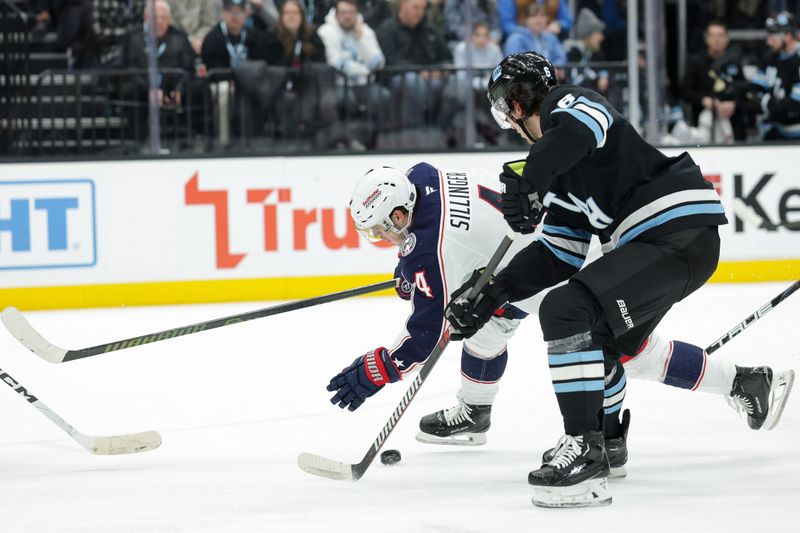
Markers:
point(376, 195)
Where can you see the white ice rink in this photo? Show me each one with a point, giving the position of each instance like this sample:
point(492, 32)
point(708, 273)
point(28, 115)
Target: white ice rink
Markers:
point(236, 405)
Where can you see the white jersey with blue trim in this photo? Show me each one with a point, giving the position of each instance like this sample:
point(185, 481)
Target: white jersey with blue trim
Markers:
point(456, 228)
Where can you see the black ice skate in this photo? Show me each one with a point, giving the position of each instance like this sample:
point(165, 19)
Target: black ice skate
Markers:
point(761, 395)
point(464, 425)
point(576, 476)
point(616, 449)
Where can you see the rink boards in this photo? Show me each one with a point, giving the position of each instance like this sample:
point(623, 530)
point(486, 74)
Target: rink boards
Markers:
point(180, 231)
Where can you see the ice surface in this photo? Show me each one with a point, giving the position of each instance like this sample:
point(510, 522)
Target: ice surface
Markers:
point(237, 405)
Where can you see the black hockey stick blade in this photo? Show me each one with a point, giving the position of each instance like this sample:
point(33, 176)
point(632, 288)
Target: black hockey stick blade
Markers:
point(332, 469)
point(747, 322)
point(19, 327)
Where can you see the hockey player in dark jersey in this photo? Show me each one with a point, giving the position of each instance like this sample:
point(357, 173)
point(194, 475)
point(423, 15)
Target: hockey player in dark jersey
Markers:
point(779, 81)
point(657, 218)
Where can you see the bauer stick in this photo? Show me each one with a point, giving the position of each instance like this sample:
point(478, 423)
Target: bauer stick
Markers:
point(747, 322)
point(111, 445)
point(324, 467)
point(19, 327)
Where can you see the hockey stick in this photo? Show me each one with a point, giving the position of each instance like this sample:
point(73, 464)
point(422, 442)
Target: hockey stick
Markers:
point(324, 467)
point(747, 322)
point(21, 329)
point(110, 445)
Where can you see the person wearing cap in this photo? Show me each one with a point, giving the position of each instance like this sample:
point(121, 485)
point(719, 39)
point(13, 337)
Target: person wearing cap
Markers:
point(711, 80)
point(586, 49)
point(230, 42)
point(779, 82)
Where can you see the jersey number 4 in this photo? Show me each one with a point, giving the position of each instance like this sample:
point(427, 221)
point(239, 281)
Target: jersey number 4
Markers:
point(422, 284)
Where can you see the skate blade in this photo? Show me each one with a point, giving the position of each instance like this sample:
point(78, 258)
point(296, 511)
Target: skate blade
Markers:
point(779, 393)
point(589, 493)
point(464, 439)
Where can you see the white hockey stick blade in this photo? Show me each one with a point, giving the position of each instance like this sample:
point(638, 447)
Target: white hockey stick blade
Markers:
point(782, 383)
point(746, 213)
point(16, 324)
point(121, 444)
point(324, 467)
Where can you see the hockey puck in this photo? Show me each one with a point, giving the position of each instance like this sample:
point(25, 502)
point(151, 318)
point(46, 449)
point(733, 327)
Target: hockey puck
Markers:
point(390, 457)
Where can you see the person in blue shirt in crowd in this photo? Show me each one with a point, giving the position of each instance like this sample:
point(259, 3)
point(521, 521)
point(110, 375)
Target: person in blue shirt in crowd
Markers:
point(534, 37)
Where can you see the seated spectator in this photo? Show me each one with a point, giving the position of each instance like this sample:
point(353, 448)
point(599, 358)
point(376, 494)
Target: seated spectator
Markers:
point(533, 36)
point(781, 103)
point(195, 18)
point(173, 51)
point(482, 54)
point(309, 97)
point(586, 50)
point(512, 15)
point(710, 81)
point(314, 11)
point(407, 40)
point(294, 40)
point(229, 43)
point(455, 21)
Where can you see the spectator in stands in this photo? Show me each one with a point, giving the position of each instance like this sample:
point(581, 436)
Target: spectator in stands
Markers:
point(72, 20)
point(711, 81)
point(229, 42)
point(512, 15)
point(780, 101)
point(351, 47)
point(586, 50)
point(173, 51)
point(196, 18)
point(314, 11)
point(481, 53)
point(534, 36)
point(455, 21)
point(294, 40)
point(407, 40)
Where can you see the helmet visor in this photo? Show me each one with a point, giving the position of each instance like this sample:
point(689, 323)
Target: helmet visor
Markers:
point(501, 112)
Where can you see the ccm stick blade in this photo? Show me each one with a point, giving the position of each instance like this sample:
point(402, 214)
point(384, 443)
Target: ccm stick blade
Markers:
point(98, 445)
point(19, 327)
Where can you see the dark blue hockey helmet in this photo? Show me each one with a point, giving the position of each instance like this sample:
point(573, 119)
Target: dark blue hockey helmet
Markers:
point(530, 70)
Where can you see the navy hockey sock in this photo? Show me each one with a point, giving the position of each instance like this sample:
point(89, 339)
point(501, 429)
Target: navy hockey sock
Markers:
point(479, 377)
point(685, 366)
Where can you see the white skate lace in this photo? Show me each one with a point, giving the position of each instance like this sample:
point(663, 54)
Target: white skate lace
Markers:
point(458, 413)
point(740, 404)
point(566, 450)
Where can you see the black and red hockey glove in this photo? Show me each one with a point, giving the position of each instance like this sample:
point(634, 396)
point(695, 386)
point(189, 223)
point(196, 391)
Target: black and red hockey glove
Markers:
point(363, 378)
point(468, 316)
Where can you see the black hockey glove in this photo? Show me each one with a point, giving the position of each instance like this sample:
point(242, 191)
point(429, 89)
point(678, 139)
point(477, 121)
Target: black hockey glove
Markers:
point(401, 286)
point(366, 376)
point(520, 203)
point(465, 316)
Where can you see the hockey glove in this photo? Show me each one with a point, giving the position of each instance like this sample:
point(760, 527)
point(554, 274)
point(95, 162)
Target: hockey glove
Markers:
point(468, 316)
point(366, 376)
point(401, 286)
point(520, 203)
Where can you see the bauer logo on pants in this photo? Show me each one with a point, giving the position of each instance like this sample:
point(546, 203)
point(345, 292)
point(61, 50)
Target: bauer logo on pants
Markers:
point(47, 224)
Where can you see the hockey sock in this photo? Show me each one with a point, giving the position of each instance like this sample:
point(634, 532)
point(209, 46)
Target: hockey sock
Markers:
point(578, 382)
point(614, 394)
point(681, 365)
point(479, 377)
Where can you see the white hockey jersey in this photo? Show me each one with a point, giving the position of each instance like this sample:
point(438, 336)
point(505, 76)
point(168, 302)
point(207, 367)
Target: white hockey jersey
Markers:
point(457, 227)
